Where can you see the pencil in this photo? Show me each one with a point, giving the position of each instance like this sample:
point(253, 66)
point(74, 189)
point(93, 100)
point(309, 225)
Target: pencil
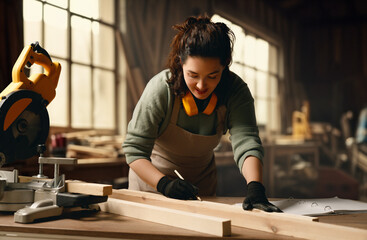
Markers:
point(179, 175)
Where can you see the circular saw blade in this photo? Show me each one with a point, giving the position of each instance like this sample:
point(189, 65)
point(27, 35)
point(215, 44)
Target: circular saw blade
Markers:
point(19, 140)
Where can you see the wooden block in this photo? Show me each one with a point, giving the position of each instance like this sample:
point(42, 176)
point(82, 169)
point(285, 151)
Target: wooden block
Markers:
point(88, 188)
point(176, 218)
point(277, 223)
point(25, 179)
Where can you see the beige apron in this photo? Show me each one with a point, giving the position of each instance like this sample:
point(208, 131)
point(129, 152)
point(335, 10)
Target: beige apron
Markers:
point(190, 154)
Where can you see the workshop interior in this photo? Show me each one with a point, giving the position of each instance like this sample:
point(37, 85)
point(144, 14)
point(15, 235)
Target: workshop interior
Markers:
point(72, 72)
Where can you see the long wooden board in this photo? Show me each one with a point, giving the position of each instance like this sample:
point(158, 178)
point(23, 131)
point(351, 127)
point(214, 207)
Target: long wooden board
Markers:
point(277, 223)
point(191, 221)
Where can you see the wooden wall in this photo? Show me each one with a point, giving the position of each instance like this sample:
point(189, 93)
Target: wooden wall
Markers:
point(333, 68)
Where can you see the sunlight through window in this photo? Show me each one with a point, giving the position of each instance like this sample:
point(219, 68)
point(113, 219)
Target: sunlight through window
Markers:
point(255, 61)
point(81, 37)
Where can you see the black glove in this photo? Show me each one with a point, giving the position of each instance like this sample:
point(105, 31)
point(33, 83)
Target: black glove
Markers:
point(179, 189)
point(256, 198)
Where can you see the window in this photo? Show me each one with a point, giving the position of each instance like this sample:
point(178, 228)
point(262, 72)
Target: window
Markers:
point(256, 62)
point(80, 35)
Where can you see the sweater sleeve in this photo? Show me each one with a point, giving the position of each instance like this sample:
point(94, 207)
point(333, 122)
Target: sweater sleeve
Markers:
point(148, 116)
point(244, 133)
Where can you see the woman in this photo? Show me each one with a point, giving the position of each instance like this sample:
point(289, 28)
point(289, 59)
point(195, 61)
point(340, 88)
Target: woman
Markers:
point(184, 111)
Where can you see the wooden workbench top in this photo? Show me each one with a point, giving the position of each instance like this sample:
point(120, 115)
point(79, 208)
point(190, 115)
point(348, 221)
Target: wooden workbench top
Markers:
point(88, 223)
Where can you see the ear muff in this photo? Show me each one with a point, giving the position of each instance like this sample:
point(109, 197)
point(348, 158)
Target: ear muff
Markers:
point(191, 109)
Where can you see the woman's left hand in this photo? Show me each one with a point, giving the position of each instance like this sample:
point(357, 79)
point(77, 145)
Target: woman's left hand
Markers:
point(256, 198)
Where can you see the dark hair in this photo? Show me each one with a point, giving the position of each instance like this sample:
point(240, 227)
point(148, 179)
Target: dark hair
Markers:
point(198, 36)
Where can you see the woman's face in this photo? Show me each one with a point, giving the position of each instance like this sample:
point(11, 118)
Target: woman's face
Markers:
point(202, 75)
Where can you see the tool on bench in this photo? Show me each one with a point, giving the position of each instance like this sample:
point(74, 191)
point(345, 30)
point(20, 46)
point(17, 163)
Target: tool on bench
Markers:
point(24, 128)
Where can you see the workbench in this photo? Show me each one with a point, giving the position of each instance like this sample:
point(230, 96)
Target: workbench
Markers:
point(286, 151)
point(88, 224)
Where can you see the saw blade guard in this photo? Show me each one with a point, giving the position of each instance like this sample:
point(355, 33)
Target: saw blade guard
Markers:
point(24, 124)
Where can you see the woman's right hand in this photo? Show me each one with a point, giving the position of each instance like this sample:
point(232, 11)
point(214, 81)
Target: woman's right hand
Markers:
point(177, 188)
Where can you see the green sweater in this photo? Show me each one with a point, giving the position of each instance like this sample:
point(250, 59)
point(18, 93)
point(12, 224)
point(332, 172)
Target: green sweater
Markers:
point(153, 112)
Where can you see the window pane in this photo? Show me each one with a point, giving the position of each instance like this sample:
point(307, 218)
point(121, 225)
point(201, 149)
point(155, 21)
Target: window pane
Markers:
point(81, 96)
point(262, 86)
point(56, 31)
point(273, 59)
point(32, 14)
point(262, 55)
point(81, 40)
point(250, 51)
point(250, 79)
point(106, 10)
point(256, 61)
point(86, 8)
point(60, 3)
point(58, 107)
point(239, 47)
point(238, 69)
point(103, 46)
point(273, 87)
point(104, 98)
point(261, 111)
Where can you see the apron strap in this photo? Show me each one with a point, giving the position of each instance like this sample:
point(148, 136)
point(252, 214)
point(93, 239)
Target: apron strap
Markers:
point(176, 109)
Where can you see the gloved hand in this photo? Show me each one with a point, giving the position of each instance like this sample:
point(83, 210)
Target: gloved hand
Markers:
point(256, 198)
point(179, 189)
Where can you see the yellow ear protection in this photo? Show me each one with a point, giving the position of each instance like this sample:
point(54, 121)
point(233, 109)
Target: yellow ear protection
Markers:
point(190, 107)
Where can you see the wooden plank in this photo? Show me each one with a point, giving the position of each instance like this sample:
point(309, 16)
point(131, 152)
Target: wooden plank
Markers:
point(176, 218)
point(88, 188)
point(102, 152)
point(277, 223)
point(25, 179)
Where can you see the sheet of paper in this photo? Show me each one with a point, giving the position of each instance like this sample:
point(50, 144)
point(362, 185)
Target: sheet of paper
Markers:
point(320, 206)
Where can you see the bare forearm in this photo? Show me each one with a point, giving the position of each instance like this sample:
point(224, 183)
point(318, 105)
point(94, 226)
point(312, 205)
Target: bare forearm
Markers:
point(252, 169)
point(146, 171)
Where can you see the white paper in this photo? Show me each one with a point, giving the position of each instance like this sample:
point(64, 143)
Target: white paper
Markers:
point(320, 206)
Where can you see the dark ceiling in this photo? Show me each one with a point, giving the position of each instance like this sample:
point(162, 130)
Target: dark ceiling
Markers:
point(313, 12)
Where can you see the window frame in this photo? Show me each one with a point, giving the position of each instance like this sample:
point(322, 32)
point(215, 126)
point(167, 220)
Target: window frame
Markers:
point(115, 26)
point(272, 40)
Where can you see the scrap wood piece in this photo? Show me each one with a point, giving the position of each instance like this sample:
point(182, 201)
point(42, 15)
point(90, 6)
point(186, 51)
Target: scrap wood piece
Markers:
point(102, 152)
point(88, 188)
point(172, 217)
point(277, 223)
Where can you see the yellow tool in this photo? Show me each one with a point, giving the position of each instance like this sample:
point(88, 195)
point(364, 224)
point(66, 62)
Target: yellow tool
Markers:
point(24, 121)
point(42, 83)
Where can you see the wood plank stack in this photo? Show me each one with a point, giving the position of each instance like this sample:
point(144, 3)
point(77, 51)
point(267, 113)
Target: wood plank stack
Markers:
point(175, 213)
point(93, 144)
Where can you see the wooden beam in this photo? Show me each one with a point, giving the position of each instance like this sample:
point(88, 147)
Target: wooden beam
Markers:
point(88, 188)
point(176, 218)
point(277, 223)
